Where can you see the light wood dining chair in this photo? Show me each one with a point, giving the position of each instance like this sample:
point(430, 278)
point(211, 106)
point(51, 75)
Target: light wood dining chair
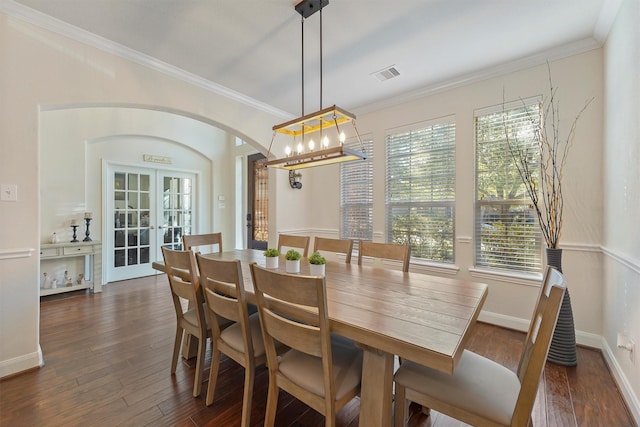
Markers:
point(194, 240)
point(322, 370)
point(242, 341)
point(482, 392)
point(334, 246)
point(388, 251)
point(183, 279)
point(294, 242)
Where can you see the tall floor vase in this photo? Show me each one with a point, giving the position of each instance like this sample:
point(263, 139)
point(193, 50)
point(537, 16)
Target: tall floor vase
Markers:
point(563, 344)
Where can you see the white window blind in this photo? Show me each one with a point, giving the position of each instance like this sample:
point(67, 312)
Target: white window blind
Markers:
point(506, 225)
point(420, 190)
point(356, 194)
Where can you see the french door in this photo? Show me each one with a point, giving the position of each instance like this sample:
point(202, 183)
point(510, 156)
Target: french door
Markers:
point(146, 209)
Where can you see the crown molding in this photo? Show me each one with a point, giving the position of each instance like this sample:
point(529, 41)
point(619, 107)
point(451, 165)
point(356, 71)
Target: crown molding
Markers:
point(606, 19)
point(72, 32)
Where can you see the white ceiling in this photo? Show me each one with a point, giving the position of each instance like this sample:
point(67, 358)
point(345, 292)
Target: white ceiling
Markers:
point(253, 47)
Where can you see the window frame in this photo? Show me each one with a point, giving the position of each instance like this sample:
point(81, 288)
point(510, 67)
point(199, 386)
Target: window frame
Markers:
point(531, 263)
point(426, 203)
point(347, 170)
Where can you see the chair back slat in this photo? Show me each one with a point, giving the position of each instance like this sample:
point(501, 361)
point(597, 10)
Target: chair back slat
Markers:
point(387, 251)
point(302, 337)
point(221, 304)
point(334, 246)
point(287, 241)
point(189, 242)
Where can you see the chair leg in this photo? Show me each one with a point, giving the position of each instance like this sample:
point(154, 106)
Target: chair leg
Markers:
point(197, 385)
point(401, 406)
point(213, 374)
point(272, 403)
point(176, 349)
point(330, 416)
point(249, 375)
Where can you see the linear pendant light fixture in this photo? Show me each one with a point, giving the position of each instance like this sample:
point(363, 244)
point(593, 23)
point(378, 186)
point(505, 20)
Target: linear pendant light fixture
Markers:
point(327, 121)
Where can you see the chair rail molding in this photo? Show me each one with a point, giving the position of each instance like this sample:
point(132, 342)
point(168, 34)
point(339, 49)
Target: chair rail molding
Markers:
point(628, 262)
point(16, 253)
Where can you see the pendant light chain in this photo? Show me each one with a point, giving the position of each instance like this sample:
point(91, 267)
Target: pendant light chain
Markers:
point(321, 129)
point(321, 58)
point(302, 61)
point(308, 124)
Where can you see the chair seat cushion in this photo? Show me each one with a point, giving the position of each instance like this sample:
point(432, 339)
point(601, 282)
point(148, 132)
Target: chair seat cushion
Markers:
point(478, 385)
point(306, 370)
point(191, 316)
point(233, 336)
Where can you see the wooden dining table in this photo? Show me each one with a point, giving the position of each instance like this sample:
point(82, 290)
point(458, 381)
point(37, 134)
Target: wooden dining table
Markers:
point(424, 318)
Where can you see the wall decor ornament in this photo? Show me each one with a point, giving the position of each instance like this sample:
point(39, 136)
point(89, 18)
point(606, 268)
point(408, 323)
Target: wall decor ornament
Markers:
point(74, 226)
point(87, 219)
point(47, 281)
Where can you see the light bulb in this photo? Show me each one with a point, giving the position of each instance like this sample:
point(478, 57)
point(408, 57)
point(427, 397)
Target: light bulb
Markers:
point(300, 148)
point(311, 145)
point(325, 142)
point(287, 151)
point(342, 137)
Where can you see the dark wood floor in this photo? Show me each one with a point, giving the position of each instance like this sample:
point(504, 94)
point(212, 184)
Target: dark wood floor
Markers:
point(108, 359)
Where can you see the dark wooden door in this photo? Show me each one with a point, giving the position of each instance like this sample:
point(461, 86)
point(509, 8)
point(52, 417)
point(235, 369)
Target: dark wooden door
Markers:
point(257, 203)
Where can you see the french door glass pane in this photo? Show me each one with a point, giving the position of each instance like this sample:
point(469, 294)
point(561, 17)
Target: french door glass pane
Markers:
point(131, 218)
point(177, 210)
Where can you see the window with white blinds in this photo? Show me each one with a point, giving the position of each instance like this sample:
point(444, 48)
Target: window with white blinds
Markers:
point(356, 194)
point(420, 190)
point(506, 225)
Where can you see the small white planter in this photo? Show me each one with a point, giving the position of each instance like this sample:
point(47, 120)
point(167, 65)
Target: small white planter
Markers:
point(293, 266)
point(271, 261)
point(316, 269)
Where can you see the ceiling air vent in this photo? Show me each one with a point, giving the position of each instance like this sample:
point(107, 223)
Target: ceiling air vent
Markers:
point(386, 73)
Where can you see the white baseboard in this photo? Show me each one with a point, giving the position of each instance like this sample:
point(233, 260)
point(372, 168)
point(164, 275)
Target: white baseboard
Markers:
point(22, 363)
point(504, 321)
point(623, 384)
point(586, 339)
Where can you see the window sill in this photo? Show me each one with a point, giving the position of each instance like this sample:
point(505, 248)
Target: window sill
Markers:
point(527, 279)
point(426, 267)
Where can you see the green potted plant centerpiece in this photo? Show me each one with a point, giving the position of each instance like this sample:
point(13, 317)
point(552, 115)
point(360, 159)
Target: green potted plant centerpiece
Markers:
point(271, 258)
point(316, 264)
point(293, 261)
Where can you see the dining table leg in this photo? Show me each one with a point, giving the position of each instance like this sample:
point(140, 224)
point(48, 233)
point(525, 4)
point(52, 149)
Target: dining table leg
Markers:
point(376, 394)
point(189, 346)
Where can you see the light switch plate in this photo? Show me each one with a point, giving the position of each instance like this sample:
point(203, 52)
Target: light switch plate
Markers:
point(8, 192)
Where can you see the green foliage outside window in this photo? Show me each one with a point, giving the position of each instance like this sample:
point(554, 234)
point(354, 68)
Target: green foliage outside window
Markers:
point(420, 197)
point(507, 232)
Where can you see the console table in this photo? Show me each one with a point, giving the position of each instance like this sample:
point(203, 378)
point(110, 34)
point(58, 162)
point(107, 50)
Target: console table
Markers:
point(92, 254)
